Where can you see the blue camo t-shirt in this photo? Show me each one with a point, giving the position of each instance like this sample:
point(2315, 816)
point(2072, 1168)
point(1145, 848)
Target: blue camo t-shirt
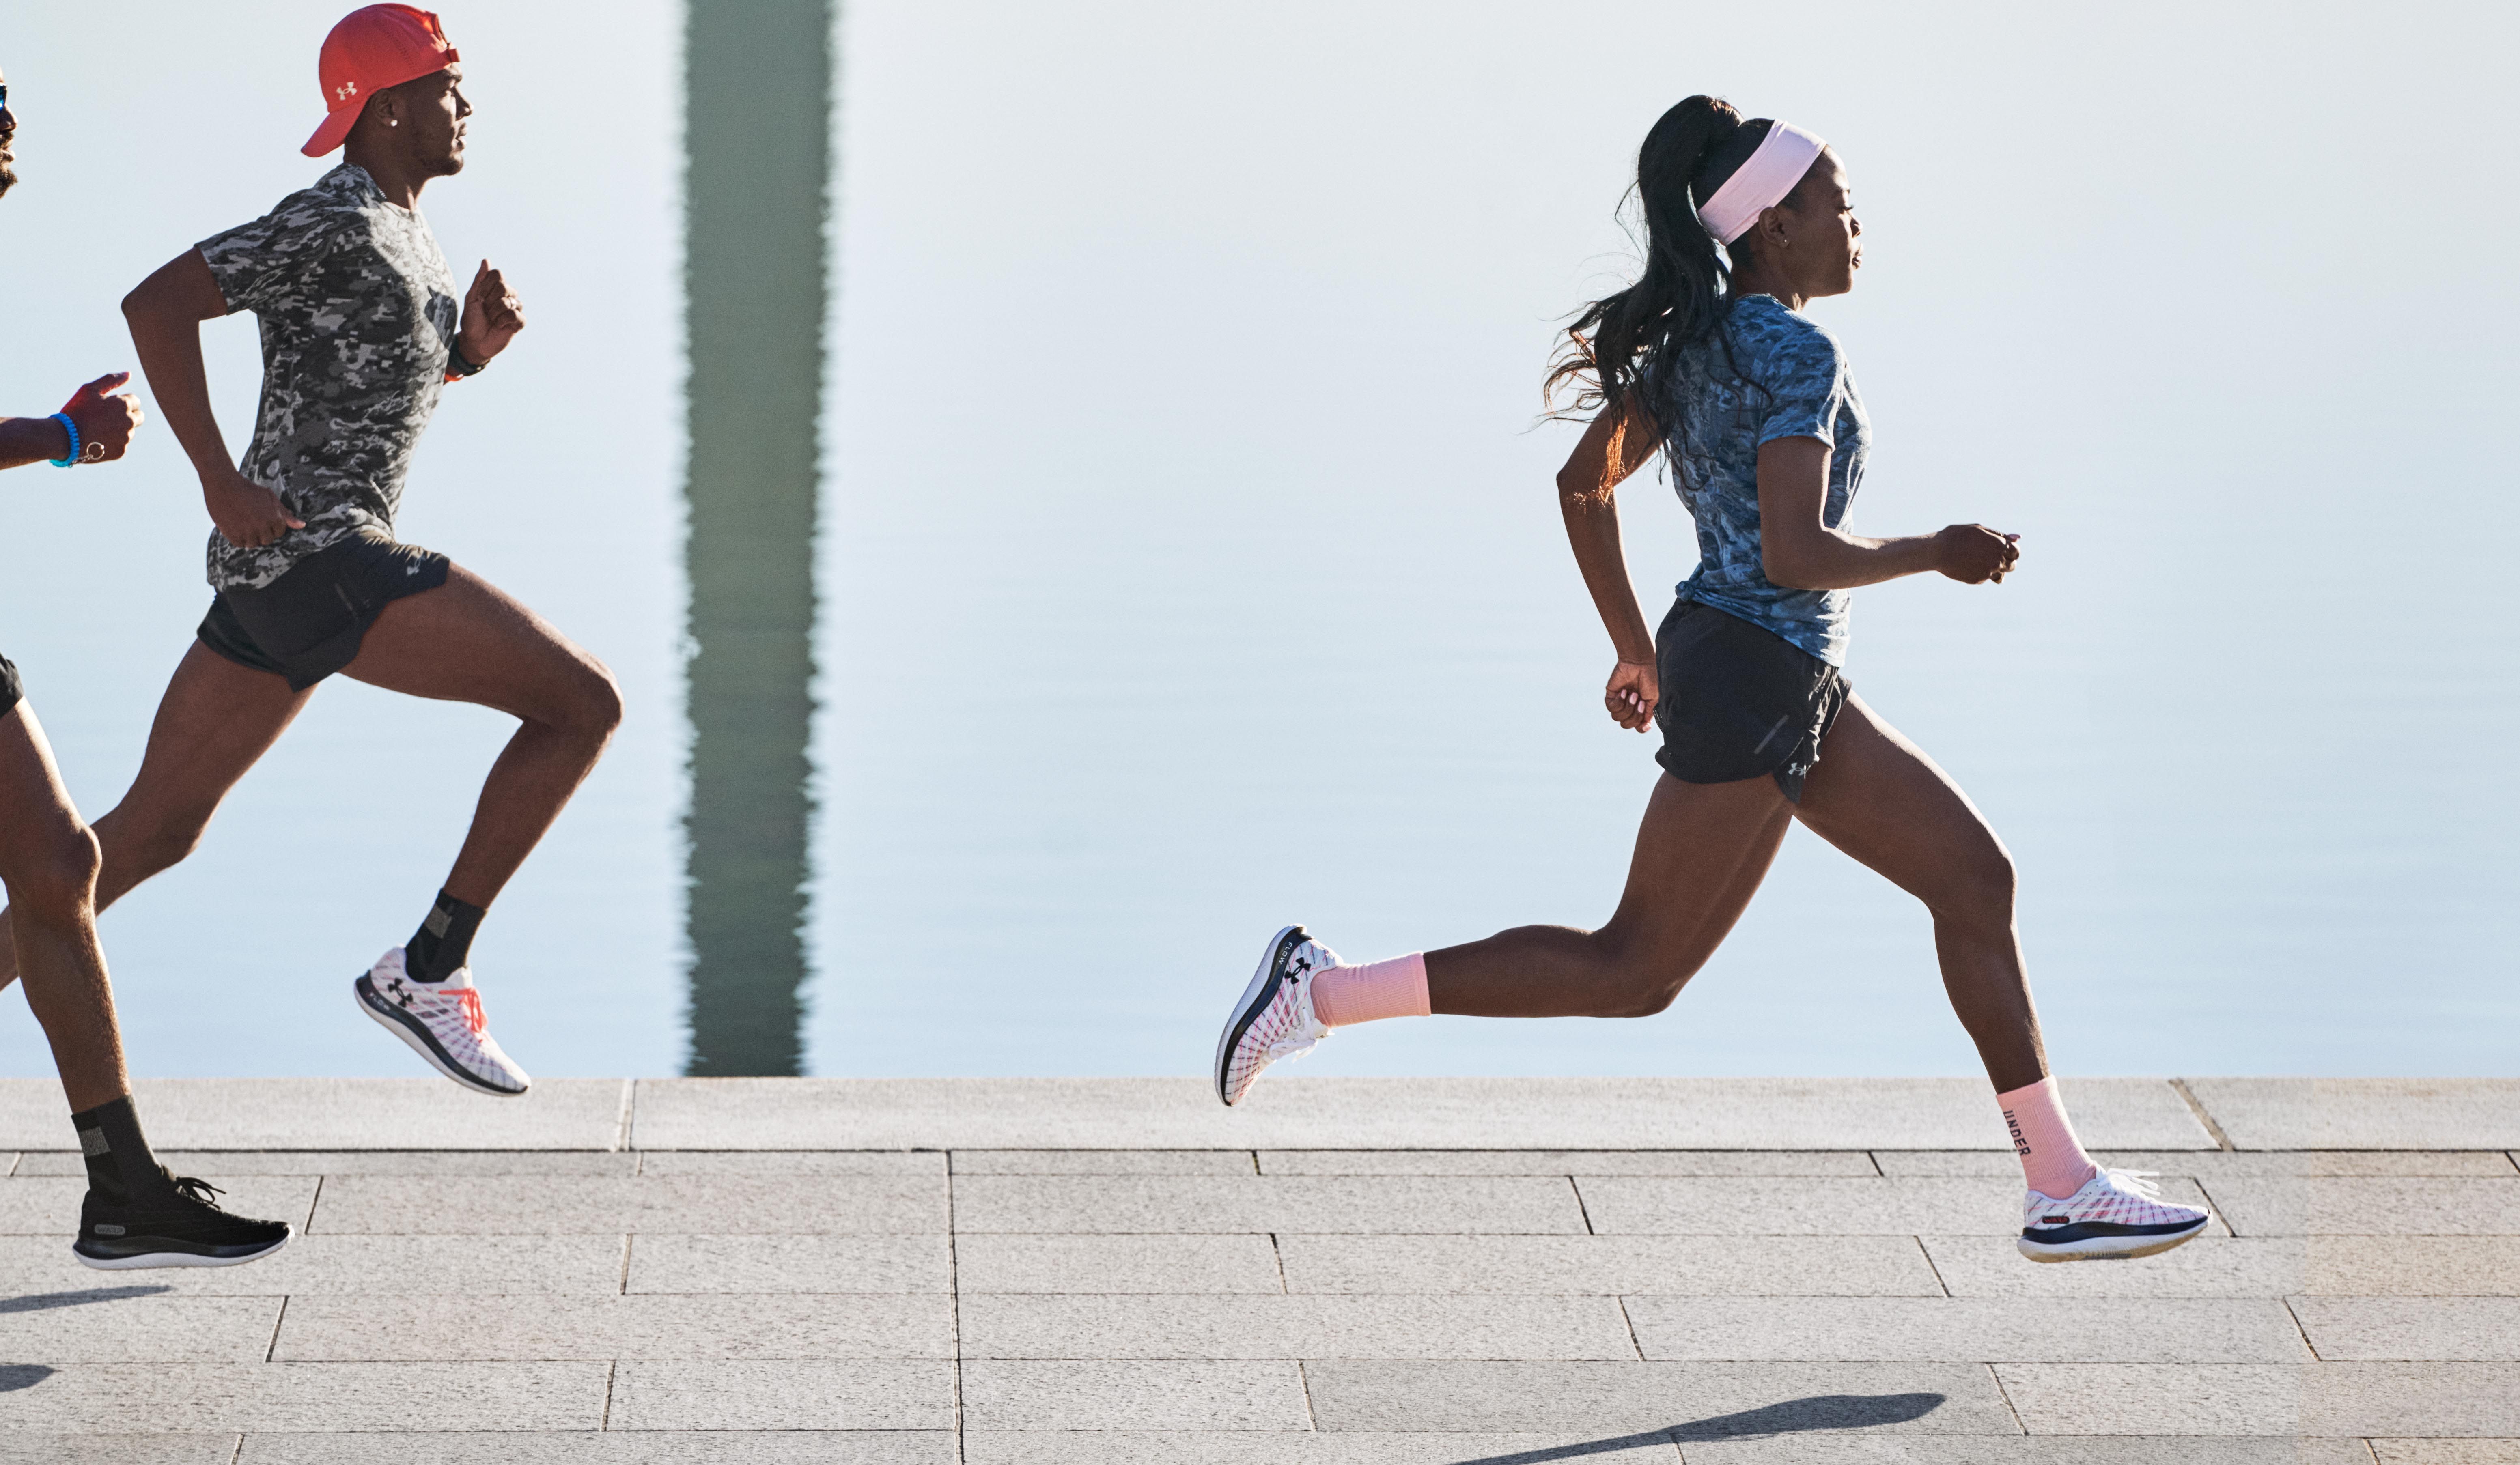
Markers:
point(1784, 376)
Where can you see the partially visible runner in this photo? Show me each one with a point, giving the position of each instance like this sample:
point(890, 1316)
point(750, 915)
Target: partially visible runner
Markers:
point(360, 330)
point(136, 1213)
point(1753, 404)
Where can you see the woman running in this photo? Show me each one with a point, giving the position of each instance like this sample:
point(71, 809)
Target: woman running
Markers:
point(1718, 368)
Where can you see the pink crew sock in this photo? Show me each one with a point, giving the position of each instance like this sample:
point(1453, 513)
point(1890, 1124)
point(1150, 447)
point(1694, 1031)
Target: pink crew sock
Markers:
point(1345, 996)
point(2052, 1158)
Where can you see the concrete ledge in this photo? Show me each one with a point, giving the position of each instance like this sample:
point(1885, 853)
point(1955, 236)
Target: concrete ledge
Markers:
point(2363, 1114)
point(1289, 1113)
point(337, 1114)
point(1634, 1113)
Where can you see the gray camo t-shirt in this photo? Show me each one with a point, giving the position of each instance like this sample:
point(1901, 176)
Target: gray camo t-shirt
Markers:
point(358, 311)
point(1783, 377)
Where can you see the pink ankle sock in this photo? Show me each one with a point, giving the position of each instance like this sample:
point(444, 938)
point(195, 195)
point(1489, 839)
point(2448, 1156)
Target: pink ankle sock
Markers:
point(1345, 996)
point(2052, 1158)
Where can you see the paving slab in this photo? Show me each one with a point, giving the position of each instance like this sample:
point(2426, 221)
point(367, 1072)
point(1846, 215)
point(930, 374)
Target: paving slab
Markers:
point(663, 1262)
point(1569, 1163)
point(117, 1450)
point(347, 1266)
point(587, 1448)
point(1103, 1163)
point(1340, 1113)
point(2379, 1114)
point(690, 1327)
point(778, 1394)
point(1368, 1204)
point(1694, 1400)
point(1118, 1265)
point(731, 1205)
point(2339, 1401)
point(2044, 1450)
point(791, 1163)
point(1295, 1327)
point(1963, 1330)
point(2245, 1267)
point(2379, 1329)
point(2212, 1165)
point(49, 1204)
point(200, 1397)
point(1685, 1265)
point(323, 1114)
point(1008, 1394)
point(1780, 1205)
point(1214, 1448)
point(2346, 1206)
point(132, 1320)
point(2445, 1452)
point(362, 1163)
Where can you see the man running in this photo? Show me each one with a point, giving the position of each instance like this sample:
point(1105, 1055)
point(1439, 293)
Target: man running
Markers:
point(135, 1213)
point(360, 333)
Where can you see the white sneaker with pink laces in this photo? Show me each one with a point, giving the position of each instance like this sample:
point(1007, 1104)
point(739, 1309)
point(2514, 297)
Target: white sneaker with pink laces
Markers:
point(1275, 1019)
point(442, 1021)
point(2117, 1214)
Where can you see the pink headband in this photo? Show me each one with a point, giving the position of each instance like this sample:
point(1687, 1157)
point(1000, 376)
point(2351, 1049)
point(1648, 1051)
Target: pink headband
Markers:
point(1784, 155)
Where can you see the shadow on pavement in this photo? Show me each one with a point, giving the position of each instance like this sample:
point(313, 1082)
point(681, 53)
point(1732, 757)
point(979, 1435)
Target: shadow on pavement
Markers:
point(1821, 1412)
point(16, 1376)
point(45, 1302)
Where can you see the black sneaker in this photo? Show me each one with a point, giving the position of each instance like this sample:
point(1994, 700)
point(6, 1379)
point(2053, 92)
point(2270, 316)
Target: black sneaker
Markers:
point(179, 1225)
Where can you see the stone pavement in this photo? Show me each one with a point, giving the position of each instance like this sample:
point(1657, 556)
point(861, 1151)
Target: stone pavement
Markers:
point(1350, 1272)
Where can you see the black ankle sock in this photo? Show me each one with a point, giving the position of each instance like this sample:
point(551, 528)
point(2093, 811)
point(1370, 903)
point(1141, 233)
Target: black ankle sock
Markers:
point(118, 1162)
point(444, 942)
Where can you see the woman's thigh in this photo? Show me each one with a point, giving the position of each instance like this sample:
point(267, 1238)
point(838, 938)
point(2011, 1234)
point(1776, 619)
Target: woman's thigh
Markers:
point(1877, 796)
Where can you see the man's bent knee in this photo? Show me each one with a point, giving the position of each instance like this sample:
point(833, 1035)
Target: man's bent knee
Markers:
point(592, 710)
point(56, 881)
point(1982, 897)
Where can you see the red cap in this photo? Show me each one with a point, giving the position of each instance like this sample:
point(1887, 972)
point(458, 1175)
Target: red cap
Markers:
point(374, 47)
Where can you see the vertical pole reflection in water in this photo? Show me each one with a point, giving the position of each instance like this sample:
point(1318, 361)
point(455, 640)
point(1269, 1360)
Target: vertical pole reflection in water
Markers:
point(757, 76)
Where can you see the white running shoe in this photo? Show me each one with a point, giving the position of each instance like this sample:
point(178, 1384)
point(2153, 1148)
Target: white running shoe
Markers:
point(1275, 1019)
point(442, 1022)
point(2117, 1214)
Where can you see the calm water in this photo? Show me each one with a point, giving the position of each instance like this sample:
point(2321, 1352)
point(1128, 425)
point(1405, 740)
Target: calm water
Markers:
point(1183, 555)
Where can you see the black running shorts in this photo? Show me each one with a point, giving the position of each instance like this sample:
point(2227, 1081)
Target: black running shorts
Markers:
point(11, 689)
point(1739, 701)
point(307, 624)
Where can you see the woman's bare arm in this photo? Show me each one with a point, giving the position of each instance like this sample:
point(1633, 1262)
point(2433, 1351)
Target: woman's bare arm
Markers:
point(1613, 447)
point(1798, 551)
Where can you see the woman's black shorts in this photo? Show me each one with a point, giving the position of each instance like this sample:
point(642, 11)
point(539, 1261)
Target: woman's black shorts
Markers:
point(11, 689)
point(307, 624)
point(1738, 700)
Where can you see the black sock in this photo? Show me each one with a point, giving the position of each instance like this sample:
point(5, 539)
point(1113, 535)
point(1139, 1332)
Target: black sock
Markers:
point(444, 942)
point(118, 1160)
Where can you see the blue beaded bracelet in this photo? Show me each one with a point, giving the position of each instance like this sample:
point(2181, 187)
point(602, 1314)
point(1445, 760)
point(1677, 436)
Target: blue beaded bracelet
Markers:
point(71, 428)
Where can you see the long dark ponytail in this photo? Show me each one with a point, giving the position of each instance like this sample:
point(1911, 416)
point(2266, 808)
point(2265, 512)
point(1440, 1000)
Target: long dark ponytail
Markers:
point(1621, 350)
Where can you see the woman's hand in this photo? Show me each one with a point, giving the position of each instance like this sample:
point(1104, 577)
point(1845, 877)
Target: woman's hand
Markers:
point(1633, 694)
point(104, 417)
point(249, 515)
point(1974, 553)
